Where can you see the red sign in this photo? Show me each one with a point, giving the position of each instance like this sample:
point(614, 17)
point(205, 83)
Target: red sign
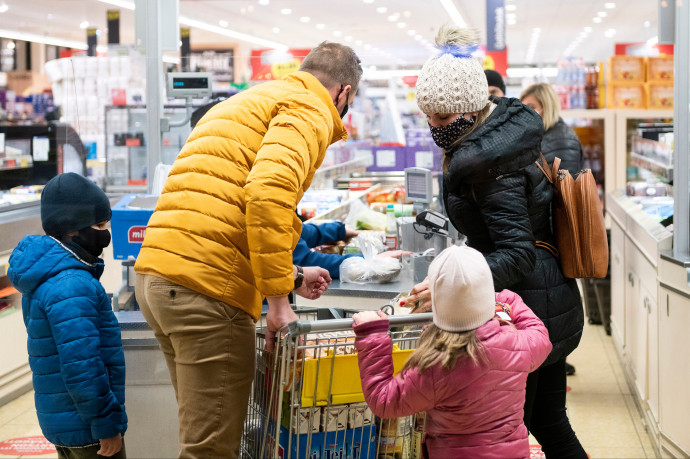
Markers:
point(136, 234)
point(535, 452)
point(496, 60)
point(27, 446)
point(272, 64)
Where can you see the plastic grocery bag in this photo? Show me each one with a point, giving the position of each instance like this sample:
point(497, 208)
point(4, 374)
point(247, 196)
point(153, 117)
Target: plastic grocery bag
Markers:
point(361, 217)
point(369, 268)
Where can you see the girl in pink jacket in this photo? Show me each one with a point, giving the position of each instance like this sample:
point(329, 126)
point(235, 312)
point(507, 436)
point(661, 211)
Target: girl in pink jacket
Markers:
point(470, 366)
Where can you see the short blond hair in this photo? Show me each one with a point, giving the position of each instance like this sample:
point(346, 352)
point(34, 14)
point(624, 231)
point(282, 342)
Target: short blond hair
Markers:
point(548, 99)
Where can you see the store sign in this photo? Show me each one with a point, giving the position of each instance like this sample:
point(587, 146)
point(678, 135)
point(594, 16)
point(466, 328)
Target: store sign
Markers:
point(271, 64)
point(136, 234)
point(185, 48)
point(26, 446)
point(496, 60)
point(495, 25)
point(91, 41)
point(113, 27)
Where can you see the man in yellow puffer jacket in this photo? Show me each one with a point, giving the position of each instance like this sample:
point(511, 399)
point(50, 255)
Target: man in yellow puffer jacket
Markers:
point(222, 235)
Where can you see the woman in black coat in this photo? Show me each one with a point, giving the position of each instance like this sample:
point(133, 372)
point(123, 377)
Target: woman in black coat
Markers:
point(496, 196)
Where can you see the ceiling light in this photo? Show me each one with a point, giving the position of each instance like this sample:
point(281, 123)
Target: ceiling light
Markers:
point(348, 38)
point(48, 17)
point(276, 30)
point(407, 14)
point(523, 72)
point(411, 33)
point(588, 29)
point(4, 8)
point(418, 37)
point(16, 35)
point(129, 5)
point(647, 24)
point(596, 19)
point(286, 11)
point(243, 11)
point(223, 23)
point(11, 44)
point(84, 25)
point(511, 21)
point(264, 2)
point(609, 6)
point(359, 42)
point(610, 33)
point(367, 46)
point(381, 9)
point(337, 33)
point(602, 14)
point(368, 1)
point(393, 17)
point(511, 7)
point(304, 19)
point(230, 33)
point(401, 25)
point(250, 8)
point(511, 16)
point(453, 12)
point(320, 26)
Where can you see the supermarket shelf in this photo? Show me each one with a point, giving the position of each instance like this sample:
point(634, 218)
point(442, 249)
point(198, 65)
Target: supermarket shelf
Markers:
point(591, 114)
point(335, 171)
point(20, 162)
point(652, 165)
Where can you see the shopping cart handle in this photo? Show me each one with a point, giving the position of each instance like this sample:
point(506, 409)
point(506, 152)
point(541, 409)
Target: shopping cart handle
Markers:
point(300, 327)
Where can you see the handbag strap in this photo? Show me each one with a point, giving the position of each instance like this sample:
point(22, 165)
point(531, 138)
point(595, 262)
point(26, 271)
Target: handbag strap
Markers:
point(544, 167)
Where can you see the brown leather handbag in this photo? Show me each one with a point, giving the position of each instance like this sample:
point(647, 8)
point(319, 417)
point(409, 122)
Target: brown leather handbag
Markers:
point(578, 221)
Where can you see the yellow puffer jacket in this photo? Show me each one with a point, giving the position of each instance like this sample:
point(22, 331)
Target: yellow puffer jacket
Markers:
point(225, 224)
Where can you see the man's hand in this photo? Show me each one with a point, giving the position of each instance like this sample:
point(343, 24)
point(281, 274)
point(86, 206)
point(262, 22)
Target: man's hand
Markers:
point(368, 316)
point(279, 314)
point(316, 281)
point(350, 233)
point(421, 293)
point(110, 446)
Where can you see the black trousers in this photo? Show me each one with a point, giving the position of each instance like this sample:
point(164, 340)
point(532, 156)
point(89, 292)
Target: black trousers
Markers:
point(545, 414)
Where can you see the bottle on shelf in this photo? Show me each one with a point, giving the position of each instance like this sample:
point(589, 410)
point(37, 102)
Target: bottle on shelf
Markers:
point(391, 228)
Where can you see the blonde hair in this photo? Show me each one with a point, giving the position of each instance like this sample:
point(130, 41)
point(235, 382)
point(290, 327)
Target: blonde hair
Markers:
point(439, 346)
point(548, 99)
point(481, 118)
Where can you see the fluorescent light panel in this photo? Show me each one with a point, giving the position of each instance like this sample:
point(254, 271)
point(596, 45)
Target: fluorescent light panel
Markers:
point(523, 72)
point(16, 35)
point(453, 12)
point(208, 27)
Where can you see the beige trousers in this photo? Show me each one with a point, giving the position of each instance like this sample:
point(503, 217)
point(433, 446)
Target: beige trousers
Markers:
point(209, 349)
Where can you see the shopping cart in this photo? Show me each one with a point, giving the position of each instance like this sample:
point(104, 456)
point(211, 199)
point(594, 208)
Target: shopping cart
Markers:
point(307, 399)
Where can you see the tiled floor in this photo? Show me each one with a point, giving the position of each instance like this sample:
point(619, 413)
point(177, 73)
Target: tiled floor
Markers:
point(600, 406)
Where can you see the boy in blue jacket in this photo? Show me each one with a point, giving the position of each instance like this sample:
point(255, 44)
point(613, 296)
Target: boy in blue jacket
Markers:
point(74, 344)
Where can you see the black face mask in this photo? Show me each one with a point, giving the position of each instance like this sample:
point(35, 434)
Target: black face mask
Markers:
point(92, 240)
point(445, 136)
point(344, 112)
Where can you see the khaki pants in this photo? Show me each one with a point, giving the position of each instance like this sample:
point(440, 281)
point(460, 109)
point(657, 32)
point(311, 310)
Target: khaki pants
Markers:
point(209, 349)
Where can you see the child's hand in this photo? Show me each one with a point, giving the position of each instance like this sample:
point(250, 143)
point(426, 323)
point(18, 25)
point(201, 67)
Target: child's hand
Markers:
point(110, 446)
point(368, 316)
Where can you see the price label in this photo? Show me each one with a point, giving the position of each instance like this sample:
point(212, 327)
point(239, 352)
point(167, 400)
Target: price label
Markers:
point(424, 159)
point(41, 148)
point(2, 142)
point(385, 158)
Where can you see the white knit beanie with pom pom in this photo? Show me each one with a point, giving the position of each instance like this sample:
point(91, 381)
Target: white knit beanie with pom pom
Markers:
point(453, 81)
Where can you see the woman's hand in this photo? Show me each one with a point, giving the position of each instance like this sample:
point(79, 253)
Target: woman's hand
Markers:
point(420, 293)
point(350, 233)
point(368, 316)
point(393, 254)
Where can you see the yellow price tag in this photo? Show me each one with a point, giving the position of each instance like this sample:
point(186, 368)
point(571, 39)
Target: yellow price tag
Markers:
point(24, 162)
point(410, 96)
point(284, 68)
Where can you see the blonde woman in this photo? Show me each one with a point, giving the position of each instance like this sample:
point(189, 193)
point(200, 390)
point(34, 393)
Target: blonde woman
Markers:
point(469, 369)
point(496, 196)
point(559, 139)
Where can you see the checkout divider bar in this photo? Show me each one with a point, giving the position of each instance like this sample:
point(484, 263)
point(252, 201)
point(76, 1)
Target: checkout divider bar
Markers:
point(300, 327)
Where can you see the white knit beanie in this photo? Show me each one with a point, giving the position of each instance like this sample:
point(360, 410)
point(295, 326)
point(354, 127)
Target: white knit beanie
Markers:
point(462, 289)
point(453, 81)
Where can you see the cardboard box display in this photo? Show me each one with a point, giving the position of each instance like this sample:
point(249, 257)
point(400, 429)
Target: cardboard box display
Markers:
point(660, 69)
point(627, 95)
point(660, 95)
point(626, 69)
point(308, 420)
point(350, 443)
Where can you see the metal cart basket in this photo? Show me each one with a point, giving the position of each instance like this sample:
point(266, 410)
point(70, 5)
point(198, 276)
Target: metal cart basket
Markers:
point(307, 399)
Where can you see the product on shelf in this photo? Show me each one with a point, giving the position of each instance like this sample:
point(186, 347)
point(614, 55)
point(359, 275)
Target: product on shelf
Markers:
point(626, 69)
point(627, 95)
point(660, 95)
point(660, 69)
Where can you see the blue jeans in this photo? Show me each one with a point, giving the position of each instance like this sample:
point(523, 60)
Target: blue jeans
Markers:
point(545, 414)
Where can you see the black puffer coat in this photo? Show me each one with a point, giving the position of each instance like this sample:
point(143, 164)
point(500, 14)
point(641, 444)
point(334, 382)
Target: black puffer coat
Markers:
point(498, 198)
point(562, 142)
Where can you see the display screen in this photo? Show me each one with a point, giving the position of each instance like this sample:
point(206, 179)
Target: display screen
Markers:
point(190, 83)
point(417, 186)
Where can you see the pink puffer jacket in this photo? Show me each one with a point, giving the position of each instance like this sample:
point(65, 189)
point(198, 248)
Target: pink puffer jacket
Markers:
point(472, 410)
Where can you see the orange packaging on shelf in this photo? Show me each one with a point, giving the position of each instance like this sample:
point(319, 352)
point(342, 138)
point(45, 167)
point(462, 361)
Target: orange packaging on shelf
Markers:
point(660, 95)
point(626, 69)
point(626, 95)
point(660, 69)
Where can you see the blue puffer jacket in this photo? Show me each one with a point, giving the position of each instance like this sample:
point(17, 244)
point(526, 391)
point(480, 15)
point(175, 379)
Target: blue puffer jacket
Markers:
point(75, 349)
point(314, 235)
